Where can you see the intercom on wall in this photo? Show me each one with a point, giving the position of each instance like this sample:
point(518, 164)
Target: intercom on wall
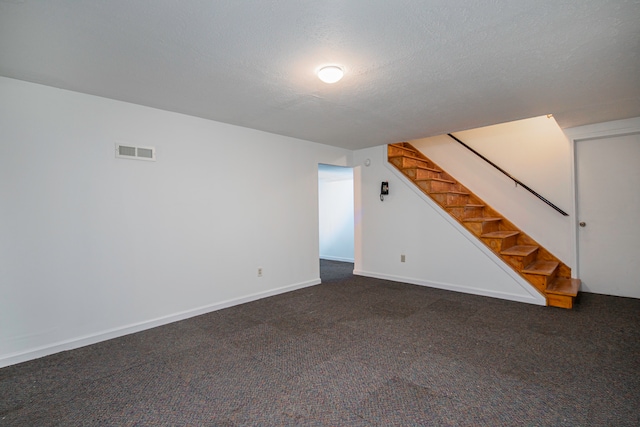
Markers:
point(384, 190)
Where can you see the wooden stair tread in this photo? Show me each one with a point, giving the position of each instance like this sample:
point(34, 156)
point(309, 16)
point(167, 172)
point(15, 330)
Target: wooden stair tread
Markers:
point(564, 286)
point(500, 234)
point(425, 168)
point(435, 179)
point(409, 156)
point(544, 268)
point(404, 147)
point(482, 219)
point(451, 192)
point(520, 250)
point(466, 205)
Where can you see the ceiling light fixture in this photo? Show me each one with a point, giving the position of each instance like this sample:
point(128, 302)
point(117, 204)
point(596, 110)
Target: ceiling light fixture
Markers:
point(330, 74)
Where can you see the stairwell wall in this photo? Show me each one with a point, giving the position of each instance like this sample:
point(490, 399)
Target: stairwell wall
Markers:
point(93, 247)
point(535, 151)
point(438, 251)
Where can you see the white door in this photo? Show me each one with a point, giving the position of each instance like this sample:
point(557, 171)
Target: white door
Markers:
point(608, 203)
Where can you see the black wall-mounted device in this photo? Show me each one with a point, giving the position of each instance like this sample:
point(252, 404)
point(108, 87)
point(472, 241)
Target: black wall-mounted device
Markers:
point(384, 190)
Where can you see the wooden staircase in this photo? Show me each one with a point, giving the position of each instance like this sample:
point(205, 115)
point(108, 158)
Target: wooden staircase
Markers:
point(539, 267)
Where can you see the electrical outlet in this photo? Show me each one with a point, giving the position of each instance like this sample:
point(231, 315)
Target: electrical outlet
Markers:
point(402, 258)
point(259, 271)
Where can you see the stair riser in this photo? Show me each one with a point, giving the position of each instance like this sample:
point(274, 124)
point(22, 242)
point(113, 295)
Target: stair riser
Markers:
point(437, 186)
point(407, 162)
point(520, 262)
point(479, 228)
point(499, 245)
point(564, 271)
point(397, 161)
point(416, 173)
point(427, 174)
point(463, 212)
point(560, 301)
point(540, 281)
point(446, 199)
point(400, 151)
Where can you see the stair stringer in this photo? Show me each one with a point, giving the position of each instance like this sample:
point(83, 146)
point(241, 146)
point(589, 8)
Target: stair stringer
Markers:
point(534, 296)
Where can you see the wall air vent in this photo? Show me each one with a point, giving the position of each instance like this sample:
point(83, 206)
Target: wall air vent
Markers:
point(135, 153)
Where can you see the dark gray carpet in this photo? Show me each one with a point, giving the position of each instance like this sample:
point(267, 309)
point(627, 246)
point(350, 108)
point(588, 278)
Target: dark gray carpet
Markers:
point(350, 352)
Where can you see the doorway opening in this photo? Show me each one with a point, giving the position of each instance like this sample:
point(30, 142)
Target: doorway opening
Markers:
point(336, 213)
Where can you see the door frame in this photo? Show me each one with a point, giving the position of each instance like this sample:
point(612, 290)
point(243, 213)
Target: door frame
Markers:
point(584, 133)
point(352, 169)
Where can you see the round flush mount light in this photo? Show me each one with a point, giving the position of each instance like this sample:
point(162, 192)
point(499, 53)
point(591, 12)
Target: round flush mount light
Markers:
point(330, 74)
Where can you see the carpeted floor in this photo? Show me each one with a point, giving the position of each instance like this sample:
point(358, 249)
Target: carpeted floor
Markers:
point(353, 351)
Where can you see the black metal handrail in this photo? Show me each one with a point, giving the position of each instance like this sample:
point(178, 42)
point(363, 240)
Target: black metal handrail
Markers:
point(517, 181)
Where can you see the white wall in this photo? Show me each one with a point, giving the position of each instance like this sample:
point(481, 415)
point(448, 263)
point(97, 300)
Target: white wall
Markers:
point(335, 194)
point(93, 247)
point(439, 251)
point(535, 151)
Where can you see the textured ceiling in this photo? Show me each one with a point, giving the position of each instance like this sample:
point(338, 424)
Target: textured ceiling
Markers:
point(413, 68)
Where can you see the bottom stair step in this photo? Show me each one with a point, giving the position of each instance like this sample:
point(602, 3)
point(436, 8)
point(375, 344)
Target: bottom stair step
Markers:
point(562, 292)
point(564, 286)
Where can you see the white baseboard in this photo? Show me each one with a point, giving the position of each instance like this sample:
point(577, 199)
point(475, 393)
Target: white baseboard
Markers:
point(529, 299)
point(335, 258)
point(70, 344)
